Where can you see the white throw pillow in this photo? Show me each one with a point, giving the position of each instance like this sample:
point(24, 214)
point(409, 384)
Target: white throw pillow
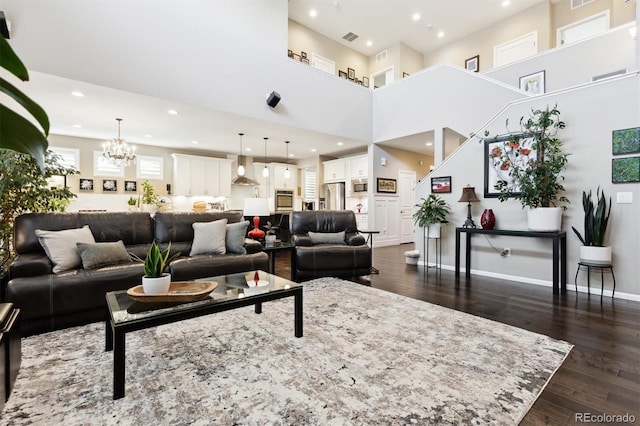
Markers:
point(209, 237)
point(61, 248)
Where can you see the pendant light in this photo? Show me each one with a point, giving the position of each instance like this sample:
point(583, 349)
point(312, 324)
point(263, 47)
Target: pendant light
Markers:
point(287, 173)
point(240, 159)
point(265, 171)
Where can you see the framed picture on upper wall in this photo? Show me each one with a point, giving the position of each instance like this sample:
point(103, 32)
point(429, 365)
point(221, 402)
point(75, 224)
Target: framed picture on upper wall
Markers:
point(365, 81)
point(473, 64)
point(533, 83)
point(109, 185)
point(626, 141)
point(86, 184)
point(386, 185)
point(351, 73)
point(441, 185)
point(342, 74)
point(625, 170)
point(305, 61)
point(130, 186)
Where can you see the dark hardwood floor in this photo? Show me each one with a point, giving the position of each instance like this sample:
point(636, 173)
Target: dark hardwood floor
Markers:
point(601, 375)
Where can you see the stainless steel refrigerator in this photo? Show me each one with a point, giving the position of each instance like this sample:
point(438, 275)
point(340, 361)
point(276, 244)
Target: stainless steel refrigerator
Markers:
point(334, 196)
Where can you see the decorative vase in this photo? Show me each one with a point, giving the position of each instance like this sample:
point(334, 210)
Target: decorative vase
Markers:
point(544, 219)
point(595, 255)
point(159, 285)
point(488, 219)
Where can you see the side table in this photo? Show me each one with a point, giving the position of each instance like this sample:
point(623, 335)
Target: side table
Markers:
point(271, 251)
point(595, 266)
point(370, 242)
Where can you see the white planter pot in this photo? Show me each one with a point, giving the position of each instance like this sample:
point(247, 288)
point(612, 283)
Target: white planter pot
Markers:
point(434, 230)
point(544, 219)
point(133, 209)
point(595, 255)
point(149, 208)
point(158, 285)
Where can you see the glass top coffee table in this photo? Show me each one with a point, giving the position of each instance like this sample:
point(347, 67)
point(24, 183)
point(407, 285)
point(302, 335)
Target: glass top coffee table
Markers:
point(125, 314)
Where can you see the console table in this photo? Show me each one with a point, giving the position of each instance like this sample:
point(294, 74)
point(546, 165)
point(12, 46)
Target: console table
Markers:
point(559, 251)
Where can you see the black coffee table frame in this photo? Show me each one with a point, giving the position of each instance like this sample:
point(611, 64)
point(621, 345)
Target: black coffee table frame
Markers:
point(115, 333)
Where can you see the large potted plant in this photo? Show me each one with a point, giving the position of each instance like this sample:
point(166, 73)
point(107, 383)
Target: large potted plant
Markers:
point(149, 197)
point(596, 218)
point(431, 214)
point(155, 279)
point(531, 162)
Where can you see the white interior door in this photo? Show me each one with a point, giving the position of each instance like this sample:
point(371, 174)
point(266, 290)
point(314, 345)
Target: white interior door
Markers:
point(591, 26)
point(406, 184)
point(515, 50)
point(323, 64)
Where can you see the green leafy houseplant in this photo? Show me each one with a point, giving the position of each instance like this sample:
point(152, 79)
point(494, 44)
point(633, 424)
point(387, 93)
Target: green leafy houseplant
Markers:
point(156, 260)
point(148, 194)
point(596, 218)
point(16, 132)
point(24, 188)
point(432, 210)
point(531, 161)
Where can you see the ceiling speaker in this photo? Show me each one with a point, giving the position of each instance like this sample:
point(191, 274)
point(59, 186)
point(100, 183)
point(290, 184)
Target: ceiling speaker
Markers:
point(273, 99)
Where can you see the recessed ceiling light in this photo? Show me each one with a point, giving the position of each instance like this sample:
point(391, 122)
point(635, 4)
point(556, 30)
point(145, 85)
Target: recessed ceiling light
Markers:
point(440, 34)
point(506, 3)
point(77, 126)
point(340, 143)
point(313, 13)
point(313, 150)
point(248, 149)
point(148, 136)
point(194, 142)
point(173, 112)
point(416, 17)
point(77, 94)
point(429, 144)
point(290, 155)
point(369, 43)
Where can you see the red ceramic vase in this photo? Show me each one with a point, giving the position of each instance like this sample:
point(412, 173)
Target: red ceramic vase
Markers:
point(488, 219)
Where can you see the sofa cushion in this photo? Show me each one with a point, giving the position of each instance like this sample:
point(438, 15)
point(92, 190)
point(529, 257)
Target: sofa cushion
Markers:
point(235, 237)
point(209, 238)
point(60, 246)
point(95, 255)
point(327, 237)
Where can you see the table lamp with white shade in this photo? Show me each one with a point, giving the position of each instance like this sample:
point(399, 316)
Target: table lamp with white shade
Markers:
point(256, 207)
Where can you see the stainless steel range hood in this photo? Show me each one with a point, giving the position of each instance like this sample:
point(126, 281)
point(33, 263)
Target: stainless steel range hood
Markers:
point(244, 181)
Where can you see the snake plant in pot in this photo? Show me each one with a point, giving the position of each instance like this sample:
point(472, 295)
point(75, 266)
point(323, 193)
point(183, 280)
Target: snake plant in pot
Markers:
point(155, 280)
point(596, 219)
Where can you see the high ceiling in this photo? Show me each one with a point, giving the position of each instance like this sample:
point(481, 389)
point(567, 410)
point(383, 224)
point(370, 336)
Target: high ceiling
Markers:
point(385, 22)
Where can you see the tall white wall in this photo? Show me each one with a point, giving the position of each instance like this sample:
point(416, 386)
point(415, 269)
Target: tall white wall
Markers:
point(590, 112)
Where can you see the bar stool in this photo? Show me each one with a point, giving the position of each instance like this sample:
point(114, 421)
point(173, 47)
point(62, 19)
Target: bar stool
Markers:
point(595, 266)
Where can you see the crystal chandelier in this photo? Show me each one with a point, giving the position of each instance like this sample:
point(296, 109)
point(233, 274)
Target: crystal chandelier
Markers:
point(118, 151)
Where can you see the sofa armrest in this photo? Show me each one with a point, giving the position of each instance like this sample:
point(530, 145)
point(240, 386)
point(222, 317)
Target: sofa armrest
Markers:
point(252, 246)
point(30, 265)
point(302, 240)
point(355, 240)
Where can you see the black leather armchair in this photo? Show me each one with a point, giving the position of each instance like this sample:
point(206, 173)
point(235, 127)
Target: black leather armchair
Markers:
point(349, 258)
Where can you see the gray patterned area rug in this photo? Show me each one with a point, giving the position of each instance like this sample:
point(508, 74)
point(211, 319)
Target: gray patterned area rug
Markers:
point(368, 357)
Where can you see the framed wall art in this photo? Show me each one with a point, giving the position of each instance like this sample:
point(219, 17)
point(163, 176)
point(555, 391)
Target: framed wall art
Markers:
point(86, 184)
point(625, 141)
point(130, 186)
point(473, 64)
point(365, 81)
point(441, 185)
point(303, 55)
point(533, 83)
point(351, 73)
point(386, 185)
point(342, 74)
point(109, 185)
point(500, 156)
point(305, 61)
point(625, 170)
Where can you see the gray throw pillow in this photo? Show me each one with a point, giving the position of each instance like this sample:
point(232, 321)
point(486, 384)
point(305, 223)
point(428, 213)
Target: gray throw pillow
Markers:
point(208, 237)
point(96, 255)
point(327, 237)
point(234, 239)
point(60, 246)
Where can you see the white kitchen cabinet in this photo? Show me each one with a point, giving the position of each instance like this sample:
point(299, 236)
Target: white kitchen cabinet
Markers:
point(357, 167)
point(276, 172)
point(334, 170)
point(195, 175)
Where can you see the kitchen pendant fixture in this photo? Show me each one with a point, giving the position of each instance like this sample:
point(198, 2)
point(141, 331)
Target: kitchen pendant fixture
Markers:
point(240, 159)
point(265, 171)
point(118, 151)
point(287, 173)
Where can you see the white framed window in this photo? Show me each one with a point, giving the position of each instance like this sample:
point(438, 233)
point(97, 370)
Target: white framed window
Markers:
point(310, 191)
point(104, 167)
point(69, 157)
point(148, 167)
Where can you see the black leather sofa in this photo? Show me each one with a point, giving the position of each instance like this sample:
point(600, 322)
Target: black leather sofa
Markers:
point(50, 301)
point(348, 258)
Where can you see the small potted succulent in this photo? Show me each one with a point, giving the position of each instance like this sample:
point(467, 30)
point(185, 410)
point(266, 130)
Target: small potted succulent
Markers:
point(596, 218)
point(155, 280)
point(132, 202)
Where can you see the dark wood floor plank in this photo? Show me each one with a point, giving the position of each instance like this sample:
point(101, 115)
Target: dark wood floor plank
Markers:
point(600, 375)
